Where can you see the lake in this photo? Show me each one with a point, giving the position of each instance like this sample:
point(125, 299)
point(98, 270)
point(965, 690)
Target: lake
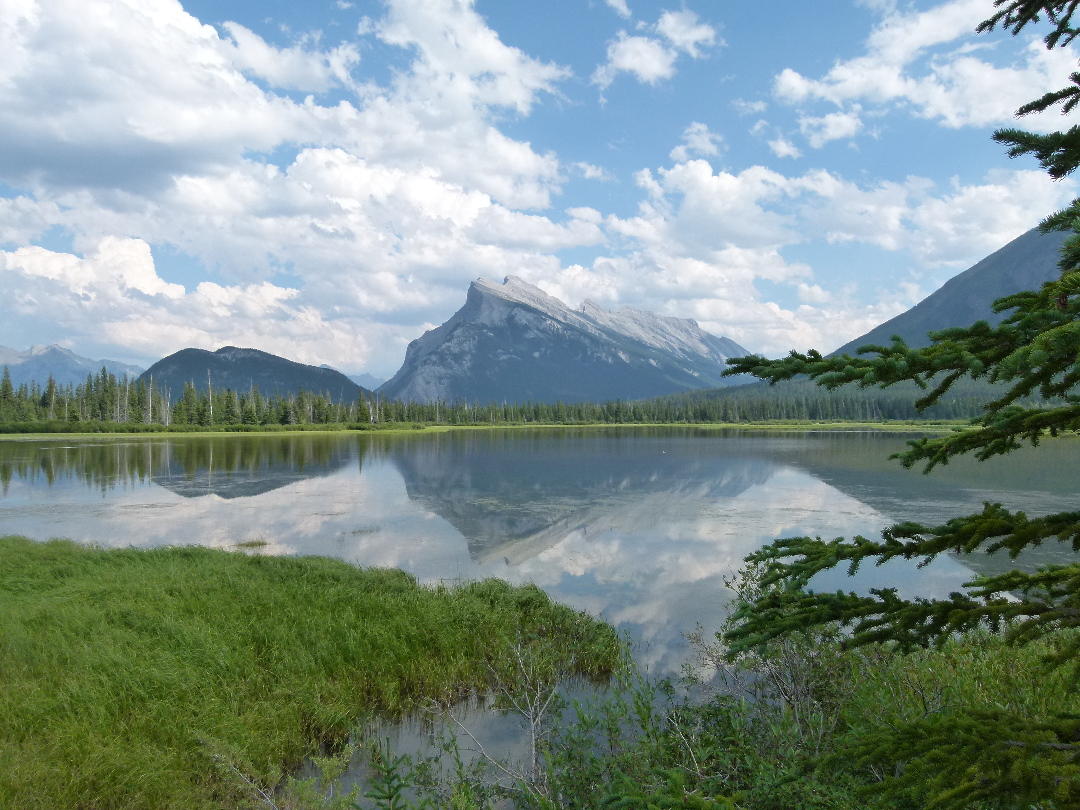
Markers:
point(638, 525)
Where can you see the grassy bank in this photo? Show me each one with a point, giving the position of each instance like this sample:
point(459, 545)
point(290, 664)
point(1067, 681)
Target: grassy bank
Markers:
point(130, 676)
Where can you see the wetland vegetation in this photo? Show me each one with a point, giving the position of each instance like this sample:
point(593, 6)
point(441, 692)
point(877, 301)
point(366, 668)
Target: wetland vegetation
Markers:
point(150, 678)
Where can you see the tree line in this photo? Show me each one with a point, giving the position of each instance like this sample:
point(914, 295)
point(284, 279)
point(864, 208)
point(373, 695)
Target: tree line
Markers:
point(105, 398)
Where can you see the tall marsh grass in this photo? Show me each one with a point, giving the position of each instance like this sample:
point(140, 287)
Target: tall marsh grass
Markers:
point(129, 676)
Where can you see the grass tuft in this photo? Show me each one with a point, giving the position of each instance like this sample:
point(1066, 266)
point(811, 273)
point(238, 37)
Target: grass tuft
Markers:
point(130, 675)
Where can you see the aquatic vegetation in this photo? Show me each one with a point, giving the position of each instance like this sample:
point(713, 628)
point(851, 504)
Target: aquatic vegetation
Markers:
point(150, 678)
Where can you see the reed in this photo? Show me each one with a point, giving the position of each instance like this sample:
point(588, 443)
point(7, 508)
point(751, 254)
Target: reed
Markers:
point(129, 676)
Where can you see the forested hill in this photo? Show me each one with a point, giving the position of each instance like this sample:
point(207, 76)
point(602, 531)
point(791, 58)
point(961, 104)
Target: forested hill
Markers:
point(245, 369)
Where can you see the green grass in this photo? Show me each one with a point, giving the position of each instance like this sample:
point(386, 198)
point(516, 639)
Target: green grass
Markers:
point(129, 676)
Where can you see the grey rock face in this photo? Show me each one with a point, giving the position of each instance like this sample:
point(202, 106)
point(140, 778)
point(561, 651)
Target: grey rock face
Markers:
point(513, 342)
point(1023, 264)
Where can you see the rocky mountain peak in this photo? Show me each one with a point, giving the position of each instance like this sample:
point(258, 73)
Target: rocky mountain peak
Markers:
point(513, 341)
point(518, 291)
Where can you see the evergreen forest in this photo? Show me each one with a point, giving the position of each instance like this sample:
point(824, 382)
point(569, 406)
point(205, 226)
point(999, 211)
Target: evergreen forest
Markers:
point(107, 403)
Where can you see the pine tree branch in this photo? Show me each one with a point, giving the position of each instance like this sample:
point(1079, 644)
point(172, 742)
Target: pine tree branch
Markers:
point(1069, 95)
point(1057, 152)
point(1015, 15)
point(974, 759)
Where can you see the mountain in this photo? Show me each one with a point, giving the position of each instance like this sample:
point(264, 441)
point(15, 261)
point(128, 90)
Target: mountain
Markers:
point(36, 364)
point(364, 380)
point(240, 369)
point(514, 342)
point(1023, 264)
point(367, 380)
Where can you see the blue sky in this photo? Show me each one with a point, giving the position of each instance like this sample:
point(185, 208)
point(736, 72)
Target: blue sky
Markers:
point(323, 180)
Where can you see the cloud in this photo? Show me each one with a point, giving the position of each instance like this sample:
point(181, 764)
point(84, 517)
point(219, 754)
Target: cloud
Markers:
point(813, 294)
point(591, 172)
point(928, 62)
point(620, 7)
point(783, 148)
point(831, 127)
point(701, 240)
point(115, 296)
point(743, 107)
point(119, 267)
point(952, 227)
point(697, 140)
point(647, 57)
point(136, 119)
point(109, 94)
point(294, 68)
point(461, 56)
point(114, 94)
point(336, 227)
point(682, 29)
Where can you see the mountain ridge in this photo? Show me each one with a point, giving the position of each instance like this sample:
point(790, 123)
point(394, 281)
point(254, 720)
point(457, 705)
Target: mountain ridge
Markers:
point(515, 342)
point(40, 362)
point(1022, 264)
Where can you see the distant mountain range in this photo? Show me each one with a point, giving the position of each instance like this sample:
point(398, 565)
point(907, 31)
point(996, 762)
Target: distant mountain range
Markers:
point(66, 367)
point(368, 381)
point(241, 369)
point(514, 342)
point(1023, 264)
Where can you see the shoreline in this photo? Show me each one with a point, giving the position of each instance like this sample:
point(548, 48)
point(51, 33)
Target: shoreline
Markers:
point(414, 428)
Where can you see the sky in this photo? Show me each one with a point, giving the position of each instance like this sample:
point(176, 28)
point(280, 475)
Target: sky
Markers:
point(323, 180)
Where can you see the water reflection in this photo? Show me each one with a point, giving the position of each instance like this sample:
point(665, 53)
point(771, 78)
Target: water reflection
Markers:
point(514, 496)
point(190, 466)
point(641, 526)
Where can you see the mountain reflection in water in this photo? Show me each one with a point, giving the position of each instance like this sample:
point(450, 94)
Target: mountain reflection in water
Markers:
point(229, 466)
point(513, 497)
point(639, 525)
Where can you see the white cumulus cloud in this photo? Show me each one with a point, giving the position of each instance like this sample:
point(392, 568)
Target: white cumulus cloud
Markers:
point(130, 126)
point(682, 29)
point(646, 58)
point(783, 148)
point(932, 62)
point(831, 127)
point(697, 140)
point(651, 57)
point(115, 296)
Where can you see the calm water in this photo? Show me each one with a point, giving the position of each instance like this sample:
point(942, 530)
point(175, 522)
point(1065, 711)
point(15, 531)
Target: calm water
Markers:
point(638, 525)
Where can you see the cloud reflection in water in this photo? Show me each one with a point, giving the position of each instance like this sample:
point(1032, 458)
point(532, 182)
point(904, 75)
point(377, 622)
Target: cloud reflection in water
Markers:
point(640, 526)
